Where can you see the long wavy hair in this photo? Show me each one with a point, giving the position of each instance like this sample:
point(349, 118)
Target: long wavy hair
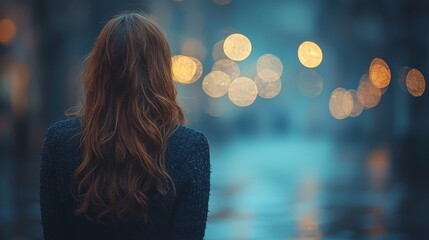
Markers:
point(129, 111)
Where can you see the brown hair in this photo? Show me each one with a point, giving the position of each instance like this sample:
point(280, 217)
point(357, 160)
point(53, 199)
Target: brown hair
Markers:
point(129, 111)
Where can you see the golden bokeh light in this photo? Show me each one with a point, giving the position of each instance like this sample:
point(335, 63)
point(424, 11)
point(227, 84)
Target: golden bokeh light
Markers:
point(7, 31)
point(217, 52)
point(268, 89)
point(186, 70)
point(340, 103)
point(216, 84)
point(198, 71)
point(269, 67)
point(357, 106)
point(309, 83)
point(379, 73)
point(237, 47)
point(243, 91)
point(368, 95)
point(415, 82)
point(309, 54)
point(227, 66)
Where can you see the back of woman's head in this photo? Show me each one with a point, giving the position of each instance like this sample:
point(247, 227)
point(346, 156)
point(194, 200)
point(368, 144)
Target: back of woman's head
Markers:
point(128, 113)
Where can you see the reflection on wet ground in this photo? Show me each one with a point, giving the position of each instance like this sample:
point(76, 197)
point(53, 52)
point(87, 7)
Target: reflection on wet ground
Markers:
point(297, 188)
point(278, 188)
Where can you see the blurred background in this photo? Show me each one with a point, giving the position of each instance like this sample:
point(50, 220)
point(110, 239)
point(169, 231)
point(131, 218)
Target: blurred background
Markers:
point(315, 111)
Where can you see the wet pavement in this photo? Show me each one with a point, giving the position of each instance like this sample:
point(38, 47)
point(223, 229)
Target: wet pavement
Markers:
point(303, 188)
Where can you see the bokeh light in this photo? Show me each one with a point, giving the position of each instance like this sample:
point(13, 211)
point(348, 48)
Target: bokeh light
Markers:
point(379, 160)
point(186, 70)
point(310, 54)
point(269, 67)
point(216, 84)
point(227, 66)
point(340, 103)
point(378, 165)
point(379, 73)
point(282, 165)
point(198, 71)
point(237, 47)
point(243, 91)
point(357, 106)
point(368, 95)
point(7, 31)
point(19, 86)
point(309, 83)
point(415, 82)
point(268, 89)
point(217, 52)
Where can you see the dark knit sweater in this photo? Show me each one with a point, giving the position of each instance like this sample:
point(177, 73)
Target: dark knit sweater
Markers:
point(181, 217)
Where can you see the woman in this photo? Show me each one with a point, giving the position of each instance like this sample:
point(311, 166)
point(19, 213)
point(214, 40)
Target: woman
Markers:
point(124, 167)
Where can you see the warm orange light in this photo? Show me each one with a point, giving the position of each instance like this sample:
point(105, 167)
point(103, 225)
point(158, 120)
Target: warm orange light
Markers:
point(378, 164)
point(216, 84)
point(243, 91)
point(379, 73)
point(186, 70)
point(310, 54)
point(415, 82)
point(7, 31)
point(368, 95)
point(237, 47)
point(379, 160)
point(19, 77)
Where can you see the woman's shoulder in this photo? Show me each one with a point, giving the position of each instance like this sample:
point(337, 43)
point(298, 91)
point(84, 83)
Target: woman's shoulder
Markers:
point(64, 125)
point(64, 131)
point(190, 146)
point(189, 136)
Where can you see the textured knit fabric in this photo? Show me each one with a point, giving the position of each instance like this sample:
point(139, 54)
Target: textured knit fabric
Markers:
point(182, 216)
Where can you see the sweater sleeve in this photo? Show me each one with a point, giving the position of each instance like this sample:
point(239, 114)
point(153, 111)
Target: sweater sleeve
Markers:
point(191, 207)
point(50, 206)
